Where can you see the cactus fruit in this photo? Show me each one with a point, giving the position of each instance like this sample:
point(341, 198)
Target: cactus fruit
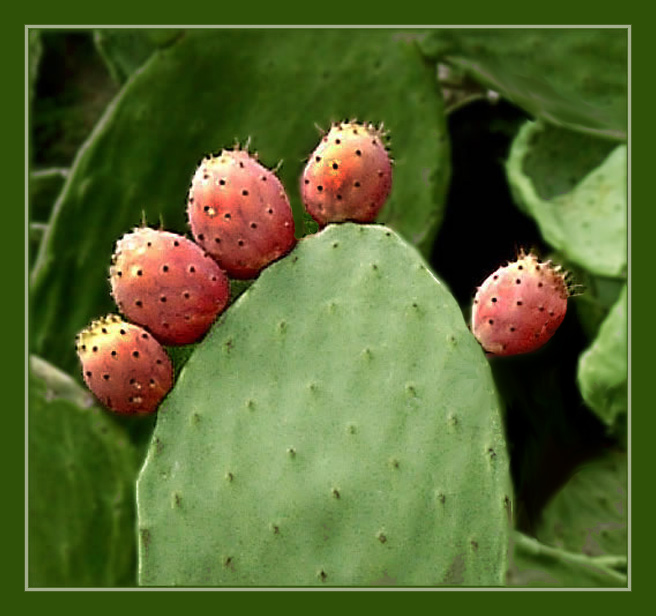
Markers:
point(520, 306)
point(124, 366)
point(348, 176)
point(167, 284)
point(239, 213)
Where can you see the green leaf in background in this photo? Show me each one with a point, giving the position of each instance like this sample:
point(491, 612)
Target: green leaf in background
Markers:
point(603, 367)
point(535, 564)
point(554, 74)
point(124, 50)
point(575, 187)
point(200, 94)
point(34, 57)
point(81, 472)
point(588, 515)
point(339, 426)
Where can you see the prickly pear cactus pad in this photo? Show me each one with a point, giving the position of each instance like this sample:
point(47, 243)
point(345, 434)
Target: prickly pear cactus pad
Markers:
point(575, 187)
point(81, 469)
point(603, 368)
point(338, 426)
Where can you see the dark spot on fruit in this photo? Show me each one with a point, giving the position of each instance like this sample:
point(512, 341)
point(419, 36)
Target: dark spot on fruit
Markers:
point(240, 242)
point(213, 279)
point(253, 225)
point(165, 268)
point(319, 188)
point(95, 349)
point(263, 178)
point(541, 308)
point(241, 164)
point(119, 274)
point(227, 216)
point(158, 362)
point(494, 299)
point(163, 298)
point(551, 313)
point(323, 575)
point(123, 332)
point(382, 538)
point(338, 141)
point(356, 184)
point(192, 269)
point(104, 330)
point(138, 303)
point(512, 329)
point(317, 158)
point(165, 325)
point(201, 237)
point(245, 193)
point(144, 336)
point(114, 353)
point(149, 244)
point(537, 268)
point(358, 152)
point(307, 181)
point(491, 321)
point(270, 211)
point(88, 373)
point(495, 277)
point(217, 240)
point(335, 166)
point(135, 354)
point(520, 267)
point(518, 281)
point(519, 302)
point(186, 295)
point(355, 131)
point(222, 182)
point(139, 273)
point(339, 197)
point(176, 243)
point(335, 493)
point(540, 284)
point(106, 377)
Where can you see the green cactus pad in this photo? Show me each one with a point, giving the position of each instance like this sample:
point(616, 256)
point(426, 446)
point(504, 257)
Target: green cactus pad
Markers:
point(603, 368)
point(588, 515)
point(124, 50)
point(575, 187)
point(204, 92)
point(537, 565)
point(554, 74)
point(339, 426)
point(81, 472)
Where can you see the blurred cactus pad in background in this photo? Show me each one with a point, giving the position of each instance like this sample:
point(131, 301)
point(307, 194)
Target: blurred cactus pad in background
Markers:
point(339, 425)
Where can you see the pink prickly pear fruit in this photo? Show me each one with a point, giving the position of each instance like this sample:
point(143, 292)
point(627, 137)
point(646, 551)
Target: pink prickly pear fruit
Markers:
point(348, 177)
point(167, 284)
point(124, 366)
point(239, 213)
point(518, 308)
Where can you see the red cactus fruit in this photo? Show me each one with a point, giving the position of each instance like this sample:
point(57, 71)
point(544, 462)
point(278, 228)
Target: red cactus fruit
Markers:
point(348, 176)
point(124, 366)
point(520, 306)
point(168, 284)
point(239, 213)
